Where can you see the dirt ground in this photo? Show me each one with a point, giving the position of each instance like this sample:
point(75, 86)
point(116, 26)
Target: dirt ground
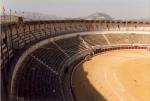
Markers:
point(120, 75)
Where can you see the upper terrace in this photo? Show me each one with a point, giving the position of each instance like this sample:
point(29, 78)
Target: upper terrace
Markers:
point(20, 35)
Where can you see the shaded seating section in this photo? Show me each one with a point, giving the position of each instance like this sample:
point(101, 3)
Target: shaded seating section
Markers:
point(24, 38)
point(42, 33)
point(72, 45)
point(35, 82)
point(95, 39)
point(51, 56)
point(6, 52)
point(21, 39)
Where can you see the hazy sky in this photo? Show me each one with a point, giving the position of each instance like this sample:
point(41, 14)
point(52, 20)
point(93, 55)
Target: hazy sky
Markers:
point(76, 8)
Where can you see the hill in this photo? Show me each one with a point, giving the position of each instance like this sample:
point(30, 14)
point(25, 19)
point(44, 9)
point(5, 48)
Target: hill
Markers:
point(38, 16)
point(98, 16)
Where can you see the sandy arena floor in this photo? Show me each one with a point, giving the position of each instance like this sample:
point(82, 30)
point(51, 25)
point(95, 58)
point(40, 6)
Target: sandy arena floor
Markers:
point(120, 75)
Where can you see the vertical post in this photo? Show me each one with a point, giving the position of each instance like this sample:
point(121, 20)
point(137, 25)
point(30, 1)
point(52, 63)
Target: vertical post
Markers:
point(22, 15)
point(17, 35)
point(44, 28)
point(24, 33)
point(7, 48)
point(87, 25)
point(10, 15)
point(40, 26)
point(1, 43)
point(64, 27)
point(81, 29)
point(105, 25)
point(12, 46)
point(39, 21)
point(126, 26)
point(61, 28)
point(30, 32)
point(4, 15)
point(55, 31)
point(50, 27)
point(39, 18)
point(69, 26)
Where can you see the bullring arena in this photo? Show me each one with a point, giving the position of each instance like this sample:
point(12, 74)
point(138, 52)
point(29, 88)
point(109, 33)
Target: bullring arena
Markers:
point(120, 75)
point(75, 60)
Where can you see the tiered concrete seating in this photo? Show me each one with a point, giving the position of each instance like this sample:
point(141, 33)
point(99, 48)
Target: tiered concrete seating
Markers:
point(51, 56)
point(22, 39)
point(118, 39)
point(71, 45)
point(139, 38)
point(35, 82)
point(128, 38)
point(95, 39)
point(38, 78)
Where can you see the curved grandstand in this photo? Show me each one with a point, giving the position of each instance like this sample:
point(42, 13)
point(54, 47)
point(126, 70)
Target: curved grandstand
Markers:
point(38, 57)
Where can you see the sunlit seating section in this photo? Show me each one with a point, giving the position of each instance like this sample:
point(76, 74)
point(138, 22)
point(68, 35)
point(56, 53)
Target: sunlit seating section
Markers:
point(94, 40)
point(118, 38)
point(139, 38)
